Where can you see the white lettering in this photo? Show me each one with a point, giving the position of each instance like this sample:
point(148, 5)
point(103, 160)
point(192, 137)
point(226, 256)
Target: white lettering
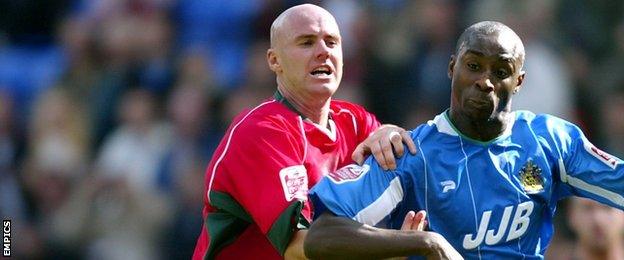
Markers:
point(474, 242)
point(519, 226)
point(6, 237)
point(492, 239)
point(521, 220)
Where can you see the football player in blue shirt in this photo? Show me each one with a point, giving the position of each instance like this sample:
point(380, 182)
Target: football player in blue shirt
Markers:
point(489, 178)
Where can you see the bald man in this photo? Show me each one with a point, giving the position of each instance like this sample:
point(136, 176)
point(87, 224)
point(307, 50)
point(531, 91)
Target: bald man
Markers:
point(488, 177)
point(258, 179)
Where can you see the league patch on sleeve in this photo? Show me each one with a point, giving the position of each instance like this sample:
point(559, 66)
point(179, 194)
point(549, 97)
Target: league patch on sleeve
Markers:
point(351, 172)
point(601, 155)
point(295, 182)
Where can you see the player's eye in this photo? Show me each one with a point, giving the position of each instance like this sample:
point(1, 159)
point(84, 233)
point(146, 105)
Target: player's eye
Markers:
point(306, 43)
point(502, 74)
point(332, 43)
point(472, 66)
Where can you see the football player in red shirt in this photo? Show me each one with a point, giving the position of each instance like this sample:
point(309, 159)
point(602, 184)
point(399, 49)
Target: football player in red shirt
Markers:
point(258, 179)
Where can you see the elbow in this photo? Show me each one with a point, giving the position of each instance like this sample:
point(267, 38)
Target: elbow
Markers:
point(317, 242)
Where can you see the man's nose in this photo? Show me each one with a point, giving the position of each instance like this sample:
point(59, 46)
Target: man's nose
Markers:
point(484, 83)
point(322, 51)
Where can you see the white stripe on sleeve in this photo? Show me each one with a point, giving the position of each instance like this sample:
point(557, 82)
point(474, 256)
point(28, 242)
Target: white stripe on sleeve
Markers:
point(383, 206)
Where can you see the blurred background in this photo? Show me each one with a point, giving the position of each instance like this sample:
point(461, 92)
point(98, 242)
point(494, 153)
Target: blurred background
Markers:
point(110, 109)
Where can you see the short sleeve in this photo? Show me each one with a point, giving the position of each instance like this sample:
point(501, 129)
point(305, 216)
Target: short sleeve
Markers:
point(366, 193)
point(266, 177)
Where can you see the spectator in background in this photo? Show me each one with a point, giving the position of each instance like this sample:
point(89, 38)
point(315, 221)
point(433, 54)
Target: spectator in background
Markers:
point(200, 24)
point(118, 212)
point(599, 230)
point(56, 160)
point(612, 127)
point(194, 137)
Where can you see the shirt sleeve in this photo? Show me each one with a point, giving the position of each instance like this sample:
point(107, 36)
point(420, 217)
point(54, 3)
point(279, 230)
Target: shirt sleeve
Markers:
point(585, 170)
point(267, 178)
point(366, 193)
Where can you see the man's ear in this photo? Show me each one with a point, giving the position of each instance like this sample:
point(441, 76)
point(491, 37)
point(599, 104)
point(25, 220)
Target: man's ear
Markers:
point(451, 66)
point(272, 61)
point(520, 80)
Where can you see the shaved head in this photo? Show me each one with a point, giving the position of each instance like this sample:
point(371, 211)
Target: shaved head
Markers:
point(480, 30)
point(284, 19)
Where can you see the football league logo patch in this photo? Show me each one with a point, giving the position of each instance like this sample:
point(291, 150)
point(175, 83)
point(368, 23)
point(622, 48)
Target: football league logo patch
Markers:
point(531, 178)
point(348, 173)
point(295, 182)
point(601, 155)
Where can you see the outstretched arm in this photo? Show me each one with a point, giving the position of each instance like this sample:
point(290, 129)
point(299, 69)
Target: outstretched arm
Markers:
point(333, 237)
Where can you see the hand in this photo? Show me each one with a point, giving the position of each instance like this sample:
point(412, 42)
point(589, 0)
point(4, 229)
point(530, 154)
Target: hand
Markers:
point(413, 221)
point(381, 144)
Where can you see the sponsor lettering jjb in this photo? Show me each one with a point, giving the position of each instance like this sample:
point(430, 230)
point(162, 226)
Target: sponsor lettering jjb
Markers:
point(519, 226)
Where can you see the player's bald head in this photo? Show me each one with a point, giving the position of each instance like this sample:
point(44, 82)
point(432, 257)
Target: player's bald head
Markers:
point(282, 24)
point(482, 31)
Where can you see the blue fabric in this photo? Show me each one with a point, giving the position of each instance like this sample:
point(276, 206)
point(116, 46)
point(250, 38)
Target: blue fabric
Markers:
point(473, 190)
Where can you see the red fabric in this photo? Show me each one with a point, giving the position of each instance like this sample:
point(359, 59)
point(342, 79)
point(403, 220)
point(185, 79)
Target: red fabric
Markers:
point(258, 145)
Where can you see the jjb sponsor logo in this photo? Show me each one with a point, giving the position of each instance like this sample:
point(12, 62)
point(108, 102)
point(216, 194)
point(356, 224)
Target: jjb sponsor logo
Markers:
point(519, 226)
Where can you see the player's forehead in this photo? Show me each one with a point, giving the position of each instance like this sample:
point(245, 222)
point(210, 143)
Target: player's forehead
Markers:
point(309, 21)
point(500, 44)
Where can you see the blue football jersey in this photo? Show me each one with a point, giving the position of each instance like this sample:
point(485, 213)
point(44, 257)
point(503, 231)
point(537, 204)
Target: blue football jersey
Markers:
point(491, 199)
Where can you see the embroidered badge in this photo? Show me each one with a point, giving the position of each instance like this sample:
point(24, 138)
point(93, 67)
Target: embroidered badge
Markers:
point(295, 182)
point(531, 178)
point(348, 173)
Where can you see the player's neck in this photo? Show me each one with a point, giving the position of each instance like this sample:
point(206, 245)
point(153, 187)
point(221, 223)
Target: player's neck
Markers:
point(312, 108)
point(482, 130)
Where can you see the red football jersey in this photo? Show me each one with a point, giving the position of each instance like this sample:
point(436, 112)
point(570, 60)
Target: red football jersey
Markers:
point(259, 176)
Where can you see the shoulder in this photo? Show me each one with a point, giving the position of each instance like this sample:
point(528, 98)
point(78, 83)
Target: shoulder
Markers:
point(268, 119)
point(546, 124)
point(341, 106)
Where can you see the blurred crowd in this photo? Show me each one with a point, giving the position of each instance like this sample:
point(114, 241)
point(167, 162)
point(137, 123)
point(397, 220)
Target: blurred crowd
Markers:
point(110, 109)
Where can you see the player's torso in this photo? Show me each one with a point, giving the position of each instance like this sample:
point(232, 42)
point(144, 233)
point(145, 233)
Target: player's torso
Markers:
point(487, 198)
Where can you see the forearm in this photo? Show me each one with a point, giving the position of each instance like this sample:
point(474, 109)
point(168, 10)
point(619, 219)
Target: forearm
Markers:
point(294, 250)
point(332, 237)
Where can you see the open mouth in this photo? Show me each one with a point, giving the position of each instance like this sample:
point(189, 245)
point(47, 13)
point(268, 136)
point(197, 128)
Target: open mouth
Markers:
point(322, 71)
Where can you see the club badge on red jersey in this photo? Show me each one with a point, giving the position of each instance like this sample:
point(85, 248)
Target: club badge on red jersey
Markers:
point(295, 182)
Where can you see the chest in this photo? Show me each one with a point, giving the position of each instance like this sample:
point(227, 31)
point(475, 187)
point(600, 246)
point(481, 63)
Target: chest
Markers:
point(486, 195)
point(327, 151)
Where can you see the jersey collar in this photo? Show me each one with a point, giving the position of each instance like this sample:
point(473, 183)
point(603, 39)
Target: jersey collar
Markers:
point(444, 125)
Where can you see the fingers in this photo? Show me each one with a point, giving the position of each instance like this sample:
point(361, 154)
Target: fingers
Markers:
point(420, 220)
point(397, 142)
point(407, 138)
point(408, 222)
point(359, 154)
point(380, 155)
point(386, 147)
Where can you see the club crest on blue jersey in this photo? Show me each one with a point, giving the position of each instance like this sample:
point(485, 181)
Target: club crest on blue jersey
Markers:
point(351, 172)
point(531, 178)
